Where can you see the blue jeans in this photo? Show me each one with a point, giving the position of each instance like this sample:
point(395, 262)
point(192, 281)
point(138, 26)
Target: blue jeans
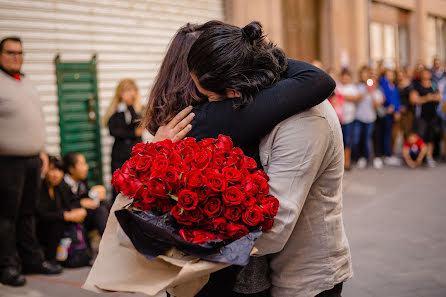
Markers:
point(388, 124)
point(362, 131)
point(347, 133)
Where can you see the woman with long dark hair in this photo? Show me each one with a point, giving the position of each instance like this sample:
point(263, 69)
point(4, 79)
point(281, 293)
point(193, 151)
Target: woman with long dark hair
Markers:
point(238, 63)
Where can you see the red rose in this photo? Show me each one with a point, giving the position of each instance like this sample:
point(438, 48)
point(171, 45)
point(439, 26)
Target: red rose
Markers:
point(194, 179)
point(267, 224)
point(180, 216)
point(236, 152)
point(260, 198)
point(233, 196)
point(213, 208)
point(164, 205)
point(248, 202)
point(196, 236)
point(220, 224)
point(138, 148)
point(233, 213)
point(202, 194)
point(160, 163)
point(175, 158)
point(157, 188)
point(148, 197)
point(232, 175)
point(207, 143)
point(206, 224)
point(262, 174)
point(202, 159)
point(270, 207)
point(249, 163)
point(194, 215)
point(236, 231)
point(218, 162)
point(164, 146)
point(216, 181)
point(118, 180)
point(260, 183)
point(187, 200)
point(253, 216)
point(172, 178)
point(143, 163)
point(224, 143)
point(234, 161)
point(181, 169)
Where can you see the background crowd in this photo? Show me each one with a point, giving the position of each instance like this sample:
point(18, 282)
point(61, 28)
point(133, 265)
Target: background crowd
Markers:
point(392, 116)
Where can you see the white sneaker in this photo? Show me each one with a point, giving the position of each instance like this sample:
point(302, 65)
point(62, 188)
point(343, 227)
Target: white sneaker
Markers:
point(377, 163)
point(392, 161)
point(431, 162)
point(362, 163)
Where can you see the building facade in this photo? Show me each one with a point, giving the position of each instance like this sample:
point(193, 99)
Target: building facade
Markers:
point(351, 33)
point(129, 38)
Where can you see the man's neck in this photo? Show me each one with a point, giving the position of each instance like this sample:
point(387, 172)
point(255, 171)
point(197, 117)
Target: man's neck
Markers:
point(11, 73)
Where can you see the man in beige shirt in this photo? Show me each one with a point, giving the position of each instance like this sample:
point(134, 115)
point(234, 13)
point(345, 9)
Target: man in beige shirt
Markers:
point(303, 157)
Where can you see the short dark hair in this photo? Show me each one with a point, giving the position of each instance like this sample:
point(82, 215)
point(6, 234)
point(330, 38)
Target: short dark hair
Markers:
point(56, 162)
point(10, 38)
point(70, 160)
point(227, 56)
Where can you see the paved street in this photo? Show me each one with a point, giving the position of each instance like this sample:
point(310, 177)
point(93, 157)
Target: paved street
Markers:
point(395, 220)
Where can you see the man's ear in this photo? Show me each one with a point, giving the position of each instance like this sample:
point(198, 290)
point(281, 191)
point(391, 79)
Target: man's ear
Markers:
point(232, 93)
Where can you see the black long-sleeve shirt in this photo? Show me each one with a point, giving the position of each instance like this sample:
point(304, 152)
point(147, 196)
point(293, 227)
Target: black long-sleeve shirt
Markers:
point(52, 209)
point(303, 87)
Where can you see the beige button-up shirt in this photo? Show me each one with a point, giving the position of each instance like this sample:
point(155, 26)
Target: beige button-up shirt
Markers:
point(303, 157)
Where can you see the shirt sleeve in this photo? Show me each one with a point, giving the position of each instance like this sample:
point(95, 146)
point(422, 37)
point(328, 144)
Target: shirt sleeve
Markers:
point(304, 87)
point(296, 156)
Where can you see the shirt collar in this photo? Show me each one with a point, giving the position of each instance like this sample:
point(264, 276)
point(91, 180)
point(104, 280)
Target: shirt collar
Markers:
point(17, 76)
point(74, 185)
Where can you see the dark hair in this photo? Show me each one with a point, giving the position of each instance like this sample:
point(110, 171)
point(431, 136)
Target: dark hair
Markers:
point(70, 160)
point(174, 88)
point(10, 38)
point(56, 162)
point(346, 71)
point(231, 57)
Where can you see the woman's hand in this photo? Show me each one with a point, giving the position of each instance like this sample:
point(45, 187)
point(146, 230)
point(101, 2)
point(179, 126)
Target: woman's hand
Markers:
point(177, 128)
point(89, 203)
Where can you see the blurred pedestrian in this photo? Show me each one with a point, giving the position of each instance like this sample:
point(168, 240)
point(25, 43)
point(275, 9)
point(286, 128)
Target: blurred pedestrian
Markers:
point(407, 108)
point(336, 99)
point(54, 210)
point(122, 120)
point(441, 111)
point(438, 74)
point(22, 161)
point(426, 96)
point(351, 95)
point(365, 117)
point(392, 105)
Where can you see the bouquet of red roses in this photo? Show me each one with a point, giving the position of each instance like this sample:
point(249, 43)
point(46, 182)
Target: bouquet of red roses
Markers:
point(196, 196)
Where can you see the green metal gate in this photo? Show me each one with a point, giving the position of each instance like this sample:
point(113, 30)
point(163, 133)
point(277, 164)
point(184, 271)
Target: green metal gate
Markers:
point(79, 113)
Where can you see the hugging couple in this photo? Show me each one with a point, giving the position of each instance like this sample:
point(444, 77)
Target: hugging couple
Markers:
point(223, 79)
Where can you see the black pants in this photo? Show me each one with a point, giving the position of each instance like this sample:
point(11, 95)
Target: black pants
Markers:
point(19, 191)
point(378, 137)
point(335, 292)
point(97, 218)
point(50, 234)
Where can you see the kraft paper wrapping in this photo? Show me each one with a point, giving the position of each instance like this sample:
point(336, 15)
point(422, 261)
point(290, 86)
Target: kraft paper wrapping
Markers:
point(119, 267)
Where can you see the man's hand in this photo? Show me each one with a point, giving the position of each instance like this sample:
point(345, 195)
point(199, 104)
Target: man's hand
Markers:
point(89, 203)
point(177, 128)
point(45, 163)
point(99, 191)
point(75, 215)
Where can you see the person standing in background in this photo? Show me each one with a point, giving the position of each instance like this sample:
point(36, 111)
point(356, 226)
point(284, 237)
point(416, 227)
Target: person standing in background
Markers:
point(22, 161)
point(392, 105)
point(351, 95)
point(365, 117)
point(122, 120)
point(426, 96)
point(405, 86)
point(439, 74)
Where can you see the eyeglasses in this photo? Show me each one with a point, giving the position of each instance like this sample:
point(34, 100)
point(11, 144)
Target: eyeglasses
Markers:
point(14, 53)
